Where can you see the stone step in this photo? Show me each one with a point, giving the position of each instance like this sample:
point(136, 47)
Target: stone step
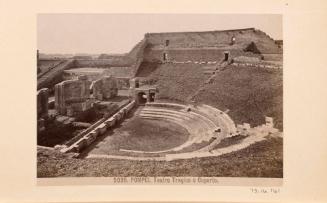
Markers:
point(197, 129)
point(168, 105)
point(190, 116)
point(193, 127)
point(219, 117)
point(195, 112)
point(177, 113)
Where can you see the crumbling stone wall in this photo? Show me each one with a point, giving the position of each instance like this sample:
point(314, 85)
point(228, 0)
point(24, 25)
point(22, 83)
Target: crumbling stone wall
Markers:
point(42, 102)
point(91, 73)
point(105, 88)
point(73, 96)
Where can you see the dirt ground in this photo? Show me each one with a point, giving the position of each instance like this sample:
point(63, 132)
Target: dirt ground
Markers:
point(140, 134)
point(262, 159)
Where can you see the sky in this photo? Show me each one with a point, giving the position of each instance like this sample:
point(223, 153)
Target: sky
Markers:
point(118, 33)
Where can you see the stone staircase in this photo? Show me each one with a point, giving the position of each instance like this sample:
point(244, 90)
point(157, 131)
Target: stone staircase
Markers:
point(210, 71)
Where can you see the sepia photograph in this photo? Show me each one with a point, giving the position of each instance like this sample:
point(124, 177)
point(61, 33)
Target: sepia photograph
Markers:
point(163, 101)
point(159, 95)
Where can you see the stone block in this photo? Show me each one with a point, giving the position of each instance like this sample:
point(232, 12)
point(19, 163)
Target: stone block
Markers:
point(70, 94)
point(42, 102)
point(122, 112)
point(81, 144)
point(102, 128)
point(105, 88)
point(118, 116)
point(93, 133)
point(89, 139)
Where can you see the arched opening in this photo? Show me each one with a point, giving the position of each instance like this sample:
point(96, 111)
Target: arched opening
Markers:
point(141, 97)
point(226, 56)
point(152, 96)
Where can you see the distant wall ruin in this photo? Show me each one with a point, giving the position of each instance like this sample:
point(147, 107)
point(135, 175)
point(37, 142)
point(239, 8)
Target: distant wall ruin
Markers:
point(42, 102)
point(105, 88)
point(72, 96)
point(121, 74)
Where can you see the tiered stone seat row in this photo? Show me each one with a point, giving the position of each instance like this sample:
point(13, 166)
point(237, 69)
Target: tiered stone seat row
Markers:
point(203, 122)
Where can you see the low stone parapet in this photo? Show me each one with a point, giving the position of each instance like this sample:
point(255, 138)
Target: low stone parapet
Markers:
point(99, 128)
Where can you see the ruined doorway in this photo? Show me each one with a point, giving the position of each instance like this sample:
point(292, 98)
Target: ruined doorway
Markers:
point(226, 56)
point(152, 96)
point(141, 97)
point(165, 57)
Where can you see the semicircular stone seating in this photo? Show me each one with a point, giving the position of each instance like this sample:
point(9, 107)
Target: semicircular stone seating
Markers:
point(204, 123)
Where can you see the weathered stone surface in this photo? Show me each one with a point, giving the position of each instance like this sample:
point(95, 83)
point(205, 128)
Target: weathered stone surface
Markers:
point(105, 88)
point(73, 96)
point(42, 102)
point(102, 128)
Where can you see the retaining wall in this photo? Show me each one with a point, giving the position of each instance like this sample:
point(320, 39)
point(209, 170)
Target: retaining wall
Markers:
point(88, 136)
point(194, 54)
point(243, 37)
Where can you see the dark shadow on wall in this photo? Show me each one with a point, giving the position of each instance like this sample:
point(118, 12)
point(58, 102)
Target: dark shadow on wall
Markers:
point(252, 47)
